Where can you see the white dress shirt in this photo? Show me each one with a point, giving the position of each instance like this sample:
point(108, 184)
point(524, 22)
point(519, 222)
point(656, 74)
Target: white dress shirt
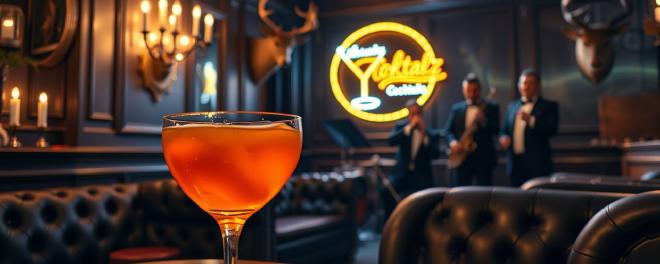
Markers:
point(470, 115)
point(520, 125)
point(415, 142)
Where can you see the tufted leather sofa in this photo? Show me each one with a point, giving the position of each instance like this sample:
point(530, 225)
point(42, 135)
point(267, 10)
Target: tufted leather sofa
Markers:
point(586, 182)
point(80, 225)
point(83, 225)
point(316, 218)
point(626, 231)
point(488, 225)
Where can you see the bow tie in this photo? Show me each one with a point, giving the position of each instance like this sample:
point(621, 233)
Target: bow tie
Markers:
point(526, 101)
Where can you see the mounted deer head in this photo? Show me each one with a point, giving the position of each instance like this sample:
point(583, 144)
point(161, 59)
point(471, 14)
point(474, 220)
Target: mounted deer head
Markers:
point(270, 53)
point(594, 52)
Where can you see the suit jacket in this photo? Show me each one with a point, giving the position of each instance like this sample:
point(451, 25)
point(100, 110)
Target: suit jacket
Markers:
point(484, 154)
point(538, 155)
point(421, 177)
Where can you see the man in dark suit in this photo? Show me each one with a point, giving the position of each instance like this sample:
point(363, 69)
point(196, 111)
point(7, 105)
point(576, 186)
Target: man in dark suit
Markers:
point(529, 124)
point(418, 145)
point(484, 117)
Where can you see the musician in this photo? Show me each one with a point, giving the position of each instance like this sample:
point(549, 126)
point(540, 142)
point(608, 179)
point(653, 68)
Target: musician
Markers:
point(418, 145)
point(529, 124)
point(484, 116)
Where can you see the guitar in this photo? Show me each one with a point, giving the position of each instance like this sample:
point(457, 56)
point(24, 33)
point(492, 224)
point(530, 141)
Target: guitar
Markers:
point(467, 139)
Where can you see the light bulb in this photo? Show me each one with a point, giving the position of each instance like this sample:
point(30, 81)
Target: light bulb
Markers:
point(184, 41)
point(178, 57)
point(8, 23)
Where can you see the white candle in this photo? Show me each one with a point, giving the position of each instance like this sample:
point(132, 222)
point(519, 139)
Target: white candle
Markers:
point(162, 12)
point(145, 7)
point(172, 21)
point(176, 10)
point(197, 14)
point(8, 28)
point(208, 28)
point(15, 108)
point(42, 111)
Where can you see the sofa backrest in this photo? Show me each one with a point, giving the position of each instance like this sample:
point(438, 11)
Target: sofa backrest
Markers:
point(318, 193)
point(488, 225)
point(593, 183)
point(626, 231)
point(68, 225)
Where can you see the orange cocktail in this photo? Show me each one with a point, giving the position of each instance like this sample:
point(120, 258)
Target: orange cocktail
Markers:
point(231, 170)
point(231, 163)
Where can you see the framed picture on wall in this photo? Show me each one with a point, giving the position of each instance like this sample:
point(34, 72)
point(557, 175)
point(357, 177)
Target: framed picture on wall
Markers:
point(53, 24)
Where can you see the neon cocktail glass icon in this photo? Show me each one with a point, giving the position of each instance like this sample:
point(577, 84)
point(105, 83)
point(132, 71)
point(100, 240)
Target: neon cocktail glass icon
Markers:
point(364, 102)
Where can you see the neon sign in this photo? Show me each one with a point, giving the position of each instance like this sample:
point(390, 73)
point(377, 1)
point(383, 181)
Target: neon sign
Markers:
point(378, 84)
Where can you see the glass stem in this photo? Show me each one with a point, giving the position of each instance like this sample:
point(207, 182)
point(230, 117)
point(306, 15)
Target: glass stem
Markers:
point(230, 234)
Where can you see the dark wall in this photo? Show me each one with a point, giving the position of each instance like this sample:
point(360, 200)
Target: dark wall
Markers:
point(495, 39)
point(95, 94)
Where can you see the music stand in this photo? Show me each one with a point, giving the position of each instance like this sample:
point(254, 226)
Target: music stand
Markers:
point(346, 135)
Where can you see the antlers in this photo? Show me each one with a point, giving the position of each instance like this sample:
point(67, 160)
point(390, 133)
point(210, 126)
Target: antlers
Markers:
point(309, 25)
point(571, 16)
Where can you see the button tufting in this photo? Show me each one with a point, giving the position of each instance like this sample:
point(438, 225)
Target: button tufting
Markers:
point(49, 213)
point(12, 218)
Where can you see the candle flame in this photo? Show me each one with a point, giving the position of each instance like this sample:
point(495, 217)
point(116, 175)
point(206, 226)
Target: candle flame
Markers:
point(8, 23)
point(145, 6)
point(176, 8)
point(197, 11)
point(657, 2)
point(15, 93)
point(208, 20)
point(43, 98)
point(172, 20)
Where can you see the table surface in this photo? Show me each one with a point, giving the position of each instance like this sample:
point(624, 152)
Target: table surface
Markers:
point(206, 261)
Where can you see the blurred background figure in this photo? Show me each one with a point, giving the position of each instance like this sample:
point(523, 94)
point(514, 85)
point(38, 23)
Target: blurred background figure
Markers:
point(529, 124)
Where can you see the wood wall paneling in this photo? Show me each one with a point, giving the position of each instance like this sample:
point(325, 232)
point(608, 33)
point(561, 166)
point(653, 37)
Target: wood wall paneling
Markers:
point(102, 60)
point(635, 69)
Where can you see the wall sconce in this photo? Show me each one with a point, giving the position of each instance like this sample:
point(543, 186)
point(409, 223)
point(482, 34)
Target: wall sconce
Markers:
point(11, 41)
point(11, 26)
point(652, 23)
point(167, 46)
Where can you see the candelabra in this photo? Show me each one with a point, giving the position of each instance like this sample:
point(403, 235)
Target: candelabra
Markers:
point(168, 45)
point(652, 23)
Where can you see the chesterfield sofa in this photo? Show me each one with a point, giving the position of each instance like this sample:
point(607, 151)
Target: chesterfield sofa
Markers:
point(594, 183)
point(315, 214)
point(509, 225)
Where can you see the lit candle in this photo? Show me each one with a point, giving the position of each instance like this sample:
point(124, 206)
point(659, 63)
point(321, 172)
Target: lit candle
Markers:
point(208, 28)
point(15, 108)
point(145, 7)
point(42, 111)
point(176, 10)
point(8, 28)
point(172, 23)
point(657, 11)
point(197, 14)
point(162, 12)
